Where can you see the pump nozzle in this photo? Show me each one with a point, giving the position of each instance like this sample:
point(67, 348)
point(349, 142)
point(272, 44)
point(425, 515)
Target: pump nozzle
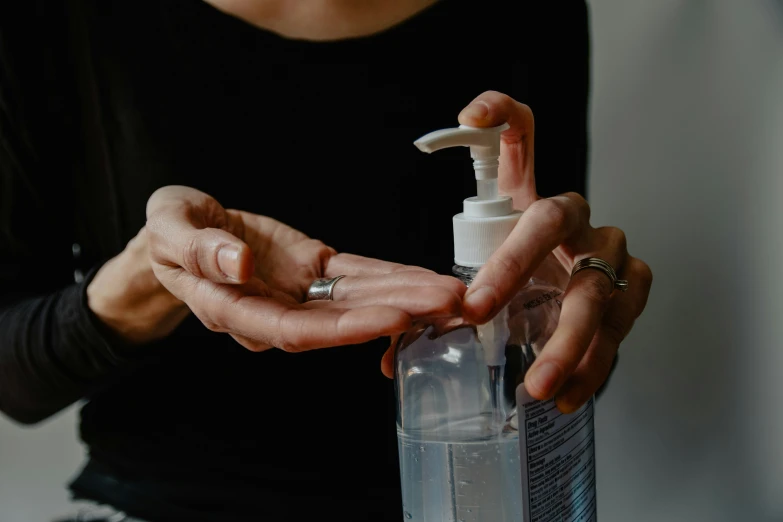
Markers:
point(483, 142)
point(484, 148)
point(487, 219)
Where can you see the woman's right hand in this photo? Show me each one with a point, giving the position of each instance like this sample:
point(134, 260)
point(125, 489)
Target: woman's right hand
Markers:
point(248, 275)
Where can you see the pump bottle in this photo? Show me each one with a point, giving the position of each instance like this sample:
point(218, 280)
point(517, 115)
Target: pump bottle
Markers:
point(473, 445)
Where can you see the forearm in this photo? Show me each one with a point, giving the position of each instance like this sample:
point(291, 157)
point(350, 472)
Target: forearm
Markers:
point(53, 351)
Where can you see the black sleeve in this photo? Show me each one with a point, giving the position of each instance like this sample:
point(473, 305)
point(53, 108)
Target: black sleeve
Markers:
point(52, 348)
point(558, 74)
point(52, 353)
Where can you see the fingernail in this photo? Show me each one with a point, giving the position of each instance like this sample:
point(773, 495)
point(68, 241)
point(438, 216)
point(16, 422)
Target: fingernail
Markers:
point(544, 379)
point(568, 402)
point(476, 111)
point(480, 302)
point(228, 262)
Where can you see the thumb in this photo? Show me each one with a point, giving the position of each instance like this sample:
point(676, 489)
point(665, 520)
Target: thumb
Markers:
point(186, 231)
point(213, 254)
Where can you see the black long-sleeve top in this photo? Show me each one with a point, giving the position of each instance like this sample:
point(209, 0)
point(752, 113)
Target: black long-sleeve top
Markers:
point(102, 102)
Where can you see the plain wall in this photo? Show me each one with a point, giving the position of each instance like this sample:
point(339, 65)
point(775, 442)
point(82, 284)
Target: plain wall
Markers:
point(687, 128)
point(35, 464)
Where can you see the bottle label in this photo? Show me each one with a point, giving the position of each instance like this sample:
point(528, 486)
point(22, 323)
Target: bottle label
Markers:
point(558, 461)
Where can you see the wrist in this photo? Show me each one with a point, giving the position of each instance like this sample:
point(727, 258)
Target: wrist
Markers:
point(146, 317)
point(127, 298)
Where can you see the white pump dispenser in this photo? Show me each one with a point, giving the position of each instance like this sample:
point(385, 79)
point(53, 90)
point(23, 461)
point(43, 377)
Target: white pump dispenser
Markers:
point(486, 219)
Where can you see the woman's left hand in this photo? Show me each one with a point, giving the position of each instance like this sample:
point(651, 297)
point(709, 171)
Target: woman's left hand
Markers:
point(594, 318)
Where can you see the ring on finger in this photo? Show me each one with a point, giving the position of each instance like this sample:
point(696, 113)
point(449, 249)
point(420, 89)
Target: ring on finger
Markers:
point(322, 289)
point(603, 266)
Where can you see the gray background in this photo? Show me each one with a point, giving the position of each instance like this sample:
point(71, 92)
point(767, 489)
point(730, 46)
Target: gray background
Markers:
point(687, 126)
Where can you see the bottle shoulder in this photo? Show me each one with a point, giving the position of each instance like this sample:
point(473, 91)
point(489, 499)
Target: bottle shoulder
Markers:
point(532, 316)
point(537, 293)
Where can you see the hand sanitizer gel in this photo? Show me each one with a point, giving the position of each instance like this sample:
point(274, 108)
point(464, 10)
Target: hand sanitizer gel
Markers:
point(474, 446)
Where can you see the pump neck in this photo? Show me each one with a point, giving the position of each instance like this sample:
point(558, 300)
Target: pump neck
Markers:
point(466, 274)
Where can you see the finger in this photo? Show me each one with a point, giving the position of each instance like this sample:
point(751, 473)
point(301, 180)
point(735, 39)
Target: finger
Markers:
point(516, 176)
point(592, 370)
point(368, 287)
point(311, 329)
point(584, 304)
point(179, 237)
point(387, 361)
point(595, 366)
point(290, 326)
point(544, 226)
point(258, 317)
point(250, 344)
point(425, 302)
point(202, 209)
point(350, 264)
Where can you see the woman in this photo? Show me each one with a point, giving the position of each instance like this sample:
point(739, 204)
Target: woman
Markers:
point(129, 129)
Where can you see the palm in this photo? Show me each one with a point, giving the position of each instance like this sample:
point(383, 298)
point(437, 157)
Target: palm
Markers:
point(285, 259)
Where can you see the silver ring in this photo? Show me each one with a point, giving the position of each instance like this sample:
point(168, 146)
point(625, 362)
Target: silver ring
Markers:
point(322, 289)
point(603, 266)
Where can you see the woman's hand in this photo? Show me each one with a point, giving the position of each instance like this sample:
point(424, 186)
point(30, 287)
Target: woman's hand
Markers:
point(248, 275)
point(127, 297)
point(594, 319)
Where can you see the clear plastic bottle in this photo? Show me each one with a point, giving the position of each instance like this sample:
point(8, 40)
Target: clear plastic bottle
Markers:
point(474, 446)
point(457, 423)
